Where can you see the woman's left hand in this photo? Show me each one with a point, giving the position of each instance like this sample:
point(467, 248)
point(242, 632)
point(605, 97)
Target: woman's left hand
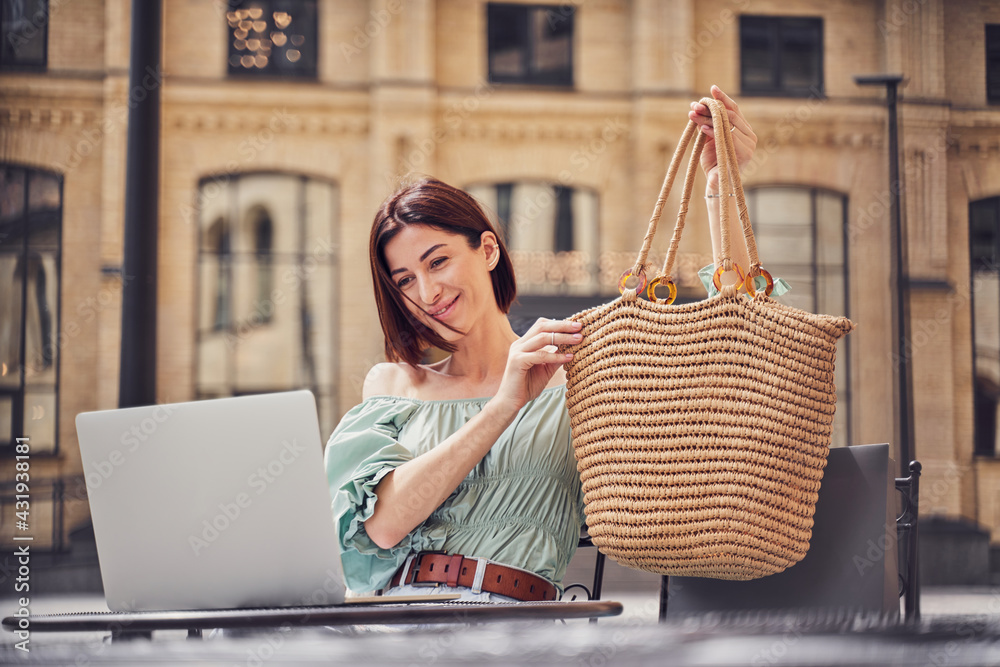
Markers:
point(744, 138)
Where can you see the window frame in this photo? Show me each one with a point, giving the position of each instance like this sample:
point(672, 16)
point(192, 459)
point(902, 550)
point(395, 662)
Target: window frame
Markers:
point(7, 446)
point(560, 80)
point(42, 66)
point(775, 25)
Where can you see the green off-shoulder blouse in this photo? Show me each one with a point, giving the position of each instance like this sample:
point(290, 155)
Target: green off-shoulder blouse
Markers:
point(521, 505)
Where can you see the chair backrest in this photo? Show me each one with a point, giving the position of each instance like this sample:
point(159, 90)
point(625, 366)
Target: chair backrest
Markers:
point(851, 563)
point(839, 479)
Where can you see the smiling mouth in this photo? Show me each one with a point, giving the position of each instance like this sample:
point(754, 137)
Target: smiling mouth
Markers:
point(438, 313)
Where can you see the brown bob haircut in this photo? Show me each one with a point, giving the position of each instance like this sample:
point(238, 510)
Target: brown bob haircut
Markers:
point(429, 202)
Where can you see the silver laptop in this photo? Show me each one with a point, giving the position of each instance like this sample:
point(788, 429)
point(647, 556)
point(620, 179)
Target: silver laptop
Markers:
point(215, 504)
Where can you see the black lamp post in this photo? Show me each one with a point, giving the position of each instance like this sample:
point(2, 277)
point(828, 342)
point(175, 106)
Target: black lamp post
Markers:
point(137, 376)
point(899, 279)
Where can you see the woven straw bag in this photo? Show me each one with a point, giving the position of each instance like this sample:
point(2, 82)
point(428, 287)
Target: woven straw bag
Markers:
point(701, 430)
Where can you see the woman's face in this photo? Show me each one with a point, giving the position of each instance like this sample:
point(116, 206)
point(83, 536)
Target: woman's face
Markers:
point(442, 279)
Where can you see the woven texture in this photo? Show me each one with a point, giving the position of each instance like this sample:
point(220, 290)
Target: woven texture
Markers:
point(701, 430)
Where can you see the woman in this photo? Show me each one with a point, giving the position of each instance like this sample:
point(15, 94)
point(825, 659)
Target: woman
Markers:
point(470, 456)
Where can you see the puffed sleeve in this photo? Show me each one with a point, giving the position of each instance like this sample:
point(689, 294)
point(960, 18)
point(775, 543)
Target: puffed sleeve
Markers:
point(362, 450)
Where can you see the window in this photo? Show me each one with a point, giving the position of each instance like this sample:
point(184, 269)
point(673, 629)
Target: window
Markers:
point(530, 44)
point(801, 237)
point(993, 63)
point(984, 254)
point(273, 37)
point(781, 56)
point(24, 33)
point(551, 233)
point(30, 227)
point(267, 287)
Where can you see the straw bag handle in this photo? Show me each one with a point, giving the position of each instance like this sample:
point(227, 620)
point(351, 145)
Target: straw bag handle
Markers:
point(729, 178)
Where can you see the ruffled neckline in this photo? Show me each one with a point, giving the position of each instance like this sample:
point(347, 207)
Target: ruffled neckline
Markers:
point(484, 399)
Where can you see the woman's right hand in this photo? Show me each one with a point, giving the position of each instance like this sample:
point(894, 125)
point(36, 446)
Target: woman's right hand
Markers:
point(744, 138)
point(531, 362)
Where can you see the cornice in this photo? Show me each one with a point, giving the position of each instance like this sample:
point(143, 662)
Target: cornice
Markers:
point(978, 146)
point(47, 117)
point(283, 120)
point(531, 130)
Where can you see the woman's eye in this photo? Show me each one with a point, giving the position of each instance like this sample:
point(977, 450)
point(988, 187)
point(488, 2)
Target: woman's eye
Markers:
point(438, 262)
point(403, 283)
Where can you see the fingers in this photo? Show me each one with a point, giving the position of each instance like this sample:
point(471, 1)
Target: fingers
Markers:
point(543, 356)
point(726, 100)
point(543, 335)
point(701, 115)
point(547, 339)
point(546, 325)
point(536, 353)
point(740, 123)
point(744, 139)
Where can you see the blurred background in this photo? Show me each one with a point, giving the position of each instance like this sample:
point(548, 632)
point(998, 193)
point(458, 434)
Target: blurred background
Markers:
point(284, 123)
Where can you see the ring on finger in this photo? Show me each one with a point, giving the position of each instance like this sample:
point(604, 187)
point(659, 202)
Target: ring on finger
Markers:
point(552, 338)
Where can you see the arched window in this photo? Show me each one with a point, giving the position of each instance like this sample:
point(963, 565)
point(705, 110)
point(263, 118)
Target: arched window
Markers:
point(984, 265)
point(801, 237)
point(30, 241)
point(551, 232)
point(266, 316)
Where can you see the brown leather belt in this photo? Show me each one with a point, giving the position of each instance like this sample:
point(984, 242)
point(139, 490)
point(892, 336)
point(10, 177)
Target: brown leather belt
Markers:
point(429, 569)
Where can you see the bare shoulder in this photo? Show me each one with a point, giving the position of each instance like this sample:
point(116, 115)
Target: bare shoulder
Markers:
point(392, 379)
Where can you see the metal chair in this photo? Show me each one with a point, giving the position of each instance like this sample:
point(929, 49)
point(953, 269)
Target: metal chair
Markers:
point(907, 535)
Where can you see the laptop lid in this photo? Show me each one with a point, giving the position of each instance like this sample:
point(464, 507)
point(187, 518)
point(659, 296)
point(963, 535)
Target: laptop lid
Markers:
point(211, 504)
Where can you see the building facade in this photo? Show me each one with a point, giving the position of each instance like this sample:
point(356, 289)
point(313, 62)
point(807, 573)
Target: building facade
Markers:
point(286, 122)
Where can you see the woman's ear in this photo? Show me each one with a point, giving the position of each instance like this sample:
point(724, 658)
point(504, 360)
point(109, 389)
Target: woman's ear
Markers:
point(492, 249)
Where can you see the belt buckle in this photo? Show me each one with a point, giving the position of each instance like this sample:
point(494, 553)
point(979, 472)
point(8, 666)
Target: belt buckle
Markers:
point(415, 569)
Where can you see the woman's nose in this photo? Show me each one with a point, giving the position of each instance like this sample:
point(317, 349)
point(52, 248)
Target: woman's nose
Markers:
point(430, 291)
